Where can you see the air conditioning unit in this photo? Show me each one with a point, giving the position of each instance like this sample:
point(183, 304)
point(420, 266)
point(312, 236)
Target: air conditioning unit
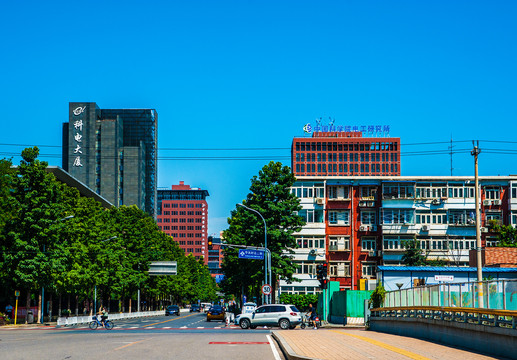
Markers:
point(313, 252)
point(362, 203)
point(373, 228)
point(370, 204)
point(497, 202)
point(371, 253)
point(425, 228)
point(320, 201)
point(379, 253)
point(484, 229)
point(435, 202)
point(487, 202)
point(363, 228)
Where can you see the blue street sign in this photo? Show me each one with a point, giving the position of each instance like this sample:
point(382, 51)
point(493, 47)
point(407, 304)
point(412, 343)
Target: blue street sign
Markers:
point(251, 254)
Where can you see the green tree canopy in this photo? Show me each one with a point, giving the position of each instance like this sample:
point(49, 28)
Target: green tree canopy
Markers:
point(270, 195)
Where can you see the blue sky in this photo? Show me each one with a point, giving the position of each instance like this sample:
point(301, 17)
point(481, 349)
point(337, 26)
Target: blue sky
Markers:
point(250, 74)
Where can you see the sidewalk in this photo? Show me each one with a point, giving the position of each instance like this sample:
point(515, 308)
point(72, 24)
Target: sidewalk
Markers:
point(340, 343)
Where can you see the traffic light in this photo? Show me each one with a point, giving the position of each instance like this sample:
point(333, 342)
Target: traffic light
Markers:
point(321, 272)
point(210, 242)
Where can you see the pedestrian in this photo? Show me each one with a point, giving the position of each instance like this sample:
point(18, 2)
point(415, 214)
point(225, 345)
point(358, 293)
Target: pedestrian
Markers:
point(313, 315)
point(9, 310)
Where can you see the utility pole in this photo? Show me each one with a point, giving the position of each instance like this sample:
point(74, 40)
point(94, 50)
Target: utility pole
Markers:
point(475, 152)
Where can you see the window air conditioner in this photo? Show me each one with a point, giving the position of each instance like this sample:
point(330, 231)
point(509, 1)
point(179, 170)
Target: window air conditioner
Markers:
point(363, 228)
point(484, 229)
point(497, 202)
point(319, 201)
point(487, 202)
point(435, 202)
point(371, 253)
point(425, 228)
point(362, 203)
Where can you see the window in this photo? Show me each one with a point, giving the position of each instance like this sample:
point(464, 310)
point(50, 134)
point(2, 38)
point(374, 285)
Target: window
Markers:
point(514, 191)
point(339, 217)
point(339, 243)
point(339, 269)
point(368, 270)
point(492, 192)
point(368, 192)
point(368, 217)
point(397, 216)
point(462, 217)
point(311, 215)
point(398, 191)
point(308, 242)
point(338, 192)
point(368, 244)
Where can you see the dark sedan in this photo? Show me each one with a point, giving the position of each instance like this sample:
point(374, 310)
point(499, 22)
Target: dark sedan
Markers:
point(172, 310)
point(195, 308)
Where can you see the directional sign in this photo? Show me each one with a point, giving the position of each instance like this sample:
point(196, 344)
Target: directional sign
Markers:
point(251, 254)
point(266, 289)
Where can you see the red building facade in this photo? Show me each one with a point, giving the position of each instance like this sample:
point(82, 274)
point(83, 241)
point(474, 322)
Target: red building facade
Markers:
point(345, 154)
point(183, 214)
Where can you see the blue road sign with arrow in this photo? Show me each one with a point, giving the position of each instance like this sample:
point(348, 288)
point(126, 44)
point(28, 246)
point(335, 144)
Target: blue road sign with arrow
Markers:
point(251, 254)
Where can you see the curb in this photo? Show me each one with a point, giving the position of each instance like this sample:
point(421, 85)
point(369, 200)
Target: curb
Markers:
point(287, 350)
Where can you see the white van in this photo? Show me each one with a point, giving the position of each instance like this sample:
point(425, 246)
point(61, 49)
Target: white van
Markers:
point(206, 306)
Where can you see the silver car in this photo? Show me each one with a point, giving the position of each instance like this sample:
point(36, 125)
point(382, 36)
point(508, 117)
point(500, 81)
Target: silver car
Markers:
point(284, 316)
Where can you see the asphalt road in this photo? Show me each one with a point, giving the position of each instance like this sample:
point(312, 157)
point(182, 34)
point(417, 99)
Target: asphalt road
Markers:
point(188, 336)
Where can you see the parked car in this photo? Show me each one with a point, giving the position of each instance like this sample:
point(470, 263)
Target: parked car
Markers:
point(284, 316)
point(195, 307)
point(206, 306)
point(215, 312)
point(172, 310)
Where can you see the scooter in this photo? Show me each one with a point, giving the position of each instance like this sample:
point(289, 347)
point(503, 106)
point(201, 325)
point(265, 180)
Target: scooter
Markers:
point(306, 321)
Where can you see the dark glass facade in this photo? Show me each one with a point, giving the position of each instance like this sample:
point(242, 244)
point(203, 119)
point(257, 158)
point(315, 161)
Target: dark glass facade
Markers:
point(113, 152)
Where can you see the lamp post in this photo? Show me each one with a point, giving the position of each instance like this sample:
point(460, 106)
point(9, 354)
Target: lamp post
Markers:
point(95, 287)
point(43, 288)
point(267, 264)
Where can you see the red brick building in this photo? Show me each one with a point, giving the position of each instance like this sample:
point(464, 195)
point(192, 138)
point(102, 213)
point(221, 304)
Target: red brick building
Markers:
point(495, 257)
point(183, 214)
point(345, 153)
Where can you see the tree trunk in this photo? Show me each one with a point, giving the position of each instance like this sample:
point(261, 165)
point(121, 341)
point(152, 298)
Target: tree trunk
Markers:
point(50, 303)
point(59, 306)
point(68, 305)
point(40, 306)
point(130, 305)
point(27, 304)
point(76, 305)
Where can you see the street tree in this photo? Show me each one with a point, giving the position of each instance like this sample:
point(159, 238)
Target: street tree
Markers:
point(270, 195)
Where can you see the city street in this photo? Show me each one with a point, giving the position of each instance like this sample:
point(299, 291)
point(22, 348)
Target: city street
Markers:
point(188, 336)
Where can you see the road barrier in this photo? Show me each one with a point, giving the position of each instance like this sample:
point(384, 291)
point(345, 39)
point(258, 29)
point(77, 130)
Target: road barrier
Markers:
point(74, 320)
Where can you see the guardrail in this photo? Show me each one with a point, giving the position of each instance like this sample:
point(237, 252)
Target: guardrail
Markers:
point(487, 317)
point(74, 320)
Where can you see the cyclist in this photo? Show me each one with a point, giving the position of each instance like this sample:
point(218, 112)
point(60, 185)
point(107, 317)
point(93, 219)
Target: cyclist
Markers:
point(313, 315)
point(104, 315)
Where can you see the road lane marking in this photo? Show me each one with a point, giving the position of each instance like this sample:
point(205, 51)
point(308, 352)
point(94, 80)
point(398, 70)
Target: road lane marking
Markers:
point(130, 344)
point(407, 353)
point(161, 322)
point(238, 343)
point(273, 348)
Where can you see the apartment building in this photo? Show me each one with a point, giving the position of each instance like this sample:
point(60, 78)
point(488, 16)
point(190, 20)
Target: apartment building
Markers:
point(358, 223)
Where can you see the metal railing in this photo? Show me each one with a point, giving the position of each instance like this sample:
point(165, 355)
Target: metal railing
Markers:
point(491, 294)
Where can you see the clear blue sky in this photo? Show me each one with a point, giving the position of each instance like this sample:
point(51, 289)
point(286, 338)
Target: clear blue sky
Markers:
point(250, 74)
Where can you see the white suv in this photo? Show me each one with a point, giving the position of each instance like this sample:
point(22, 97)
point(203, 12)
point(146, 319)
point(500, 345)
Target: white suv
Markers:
point(284, 316)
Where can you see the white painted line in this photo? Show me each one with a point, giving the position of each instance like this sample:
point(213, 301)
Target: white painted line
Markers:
point(183, 327)
point(273, 348)
point(167, 327)
point(200, 327)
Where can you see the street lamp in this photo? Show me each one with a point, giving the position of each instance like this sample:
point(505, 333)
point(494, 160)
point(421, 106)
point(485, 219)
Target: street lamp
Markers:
point(267, 265)
point(43, 288)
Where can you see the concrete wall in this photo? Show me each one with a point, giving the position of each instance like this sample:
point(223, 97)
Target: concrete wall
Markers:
point(481, 338)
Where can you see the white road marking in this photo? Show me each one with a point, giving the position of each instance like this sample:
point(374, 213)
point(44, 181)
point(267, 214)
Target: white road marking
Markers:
point(273, 348)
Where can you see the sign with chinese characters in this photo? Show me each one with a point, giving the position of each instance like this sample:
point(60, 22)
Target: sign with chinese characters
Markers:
point(78, 135)
point(251, 254)
point(367, 130)
point(444, 278)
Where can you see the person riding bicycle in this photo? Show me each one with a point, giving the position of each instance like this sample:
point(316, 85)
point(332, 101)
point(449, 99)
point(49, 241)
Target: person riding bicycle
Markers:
point(104, 314)
point(313, 315)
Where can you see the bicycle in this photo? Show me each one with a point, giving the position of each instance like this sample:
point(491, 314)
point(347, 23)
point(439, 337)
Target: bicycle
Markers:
point(96, 322)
